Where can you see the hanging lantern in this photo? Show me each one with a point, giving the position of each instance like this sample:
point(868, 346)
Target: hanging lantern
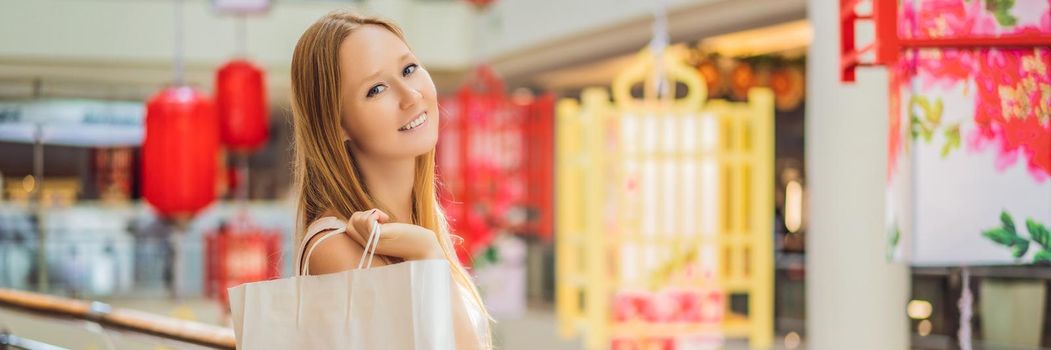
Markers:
point(481, 4)
point(742, 78)
point(240, 98)
point(709, 70)
point(179, 154)
point(787, 84)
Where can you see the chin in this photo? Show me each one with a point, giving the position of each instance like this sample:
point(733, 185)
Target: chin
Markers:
point(418, 142)
point(424, 145)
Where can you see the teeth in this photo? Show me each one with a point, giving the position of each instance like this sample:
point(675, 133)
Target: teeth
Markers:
point(415, 122)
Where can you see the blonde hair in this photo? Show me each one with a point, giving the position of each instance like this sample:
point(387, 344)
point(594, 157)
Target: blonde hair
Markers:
point(325, 172)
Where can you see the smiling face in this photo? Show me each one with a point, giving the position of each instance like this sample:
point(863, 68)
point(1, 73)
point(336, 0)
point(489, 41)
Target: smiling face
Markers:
point(390, 103)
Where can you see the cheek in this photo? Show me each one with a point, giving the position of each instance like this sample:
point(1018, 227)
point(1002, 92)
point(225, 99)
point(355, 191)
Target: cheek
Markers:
point(369, 122)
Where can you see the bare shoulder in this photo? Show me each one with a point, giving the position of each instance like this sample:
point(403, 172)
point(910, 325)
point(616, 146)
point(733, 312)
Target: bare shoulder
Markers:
point(334, 254)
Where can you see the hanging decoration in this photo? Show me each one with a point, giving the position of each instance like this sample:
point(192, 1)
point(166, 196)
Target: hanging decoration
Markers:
point(788, 84)
point(648, 203)
point(539, 135)
point(240, 96)
point(731, 77)
point(492, 158)
point(742, 78)
point(969, 134)
point(240, 93)
point(969, 104)
point(708, 67)
point(240, 251)
point(481, 5)
point(179, 155)
point(181, 147)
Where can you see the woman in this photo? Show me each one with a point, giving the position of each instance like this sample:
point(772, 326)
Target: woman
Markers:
point(365, 119)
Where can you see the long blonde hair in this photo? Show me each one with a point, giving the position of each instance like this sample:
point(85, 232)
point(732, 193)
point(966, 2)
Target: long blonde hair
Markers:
point(325, 172)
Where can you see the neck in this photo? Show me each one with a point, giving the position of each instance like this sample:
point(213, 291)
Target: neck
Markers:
point(390, 182)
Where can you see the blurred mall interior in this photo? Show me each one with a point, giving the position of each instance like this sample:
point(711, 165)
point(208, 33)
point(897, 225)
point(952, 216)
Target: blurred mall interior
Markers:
point(625, 174)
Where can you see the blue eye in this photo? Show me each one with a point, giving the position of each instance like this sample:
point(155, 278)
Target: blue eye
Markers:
point(409, 69)
point(375, 90)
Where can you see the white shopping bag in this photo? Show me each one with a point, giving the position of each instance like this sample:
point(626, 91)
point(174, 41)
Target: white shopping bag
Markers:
point(401, 306)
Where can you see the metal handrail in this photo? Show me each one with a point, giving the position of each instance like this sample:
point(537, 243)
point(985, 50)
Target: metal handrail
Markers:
point(119, 319)
point(10, 341)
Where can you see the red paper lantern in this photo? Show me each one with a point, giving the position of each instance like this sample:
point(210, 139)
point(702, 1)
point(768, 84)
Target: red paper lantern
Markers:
point(180, 152)
point(481, 4)
point(788, 86)
point(742, 78)
point(240, 98)
point(712, 76)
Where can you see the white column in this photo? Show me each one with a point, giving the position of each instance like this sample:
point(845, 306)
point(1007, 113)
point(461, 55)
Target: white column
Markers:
point(855, 298)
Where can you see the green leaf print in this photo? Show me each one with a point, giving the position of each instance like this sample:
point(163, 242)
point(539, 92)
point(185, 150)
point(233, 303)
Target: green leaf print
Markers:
point(932, 116)
point(934, 112)
point(1021, 245)
point(1043, 256)
point(893, 237)
point(1008, 222)
point(1000, 236)
point(1038, 233)
point(952, 140)
point(916, 127)
point(1001, 9)
point(1007, 235)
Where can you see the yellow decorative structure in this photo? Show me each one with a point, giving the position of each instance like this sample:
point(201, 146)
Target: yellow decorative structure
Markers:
point(660, 194)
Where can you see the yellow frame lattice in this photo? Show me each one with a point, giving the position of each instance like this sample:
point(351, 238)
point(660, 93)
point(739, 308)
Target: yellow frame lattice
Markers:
point(597, 217)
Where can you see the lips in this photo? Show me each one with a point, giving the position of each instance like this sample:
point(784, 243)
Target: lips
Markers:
point(415, 122)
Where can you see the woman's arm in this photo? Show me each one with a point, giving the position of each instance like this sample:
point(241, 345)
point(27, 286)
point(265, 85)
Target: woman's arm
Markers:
point(341, 253)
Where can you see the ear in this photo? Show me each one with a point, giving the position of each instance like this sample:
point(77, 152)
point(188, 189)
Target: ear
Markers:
point(346, 133)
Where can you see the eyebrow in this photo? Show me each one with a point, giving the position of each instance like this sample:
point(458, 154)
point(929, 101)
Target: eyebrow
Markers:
point(375, 74)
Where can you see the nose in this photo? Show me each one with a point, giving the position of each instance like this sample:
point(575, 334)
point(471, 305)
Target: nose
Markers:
point(410, 96)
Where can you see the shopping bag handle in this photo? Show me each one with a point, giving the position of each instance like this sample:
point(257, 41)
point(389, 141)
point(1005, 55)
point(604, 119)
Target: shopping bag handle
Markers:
point(370, 246)
point(367, 256)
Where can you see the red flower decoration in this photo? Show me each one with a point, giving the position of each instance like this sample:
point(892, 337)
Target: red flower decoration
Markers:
point(1013, 107)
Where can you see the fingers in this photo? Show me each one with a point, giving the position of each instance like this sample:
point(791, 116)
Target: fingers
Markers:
point(358, 227)
point(380, 216)
point(360, 224)
point(400, 240)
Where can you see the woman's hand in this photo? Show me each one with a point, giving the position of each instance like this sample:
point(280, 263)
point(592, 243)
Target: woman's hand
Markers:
point(406, 241)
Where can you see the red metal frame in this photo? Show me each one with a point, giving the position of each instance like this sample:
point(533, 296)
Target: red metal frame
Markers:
point(224, 266)
point(540, 153)
point(888, 44)
point(495, 156)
